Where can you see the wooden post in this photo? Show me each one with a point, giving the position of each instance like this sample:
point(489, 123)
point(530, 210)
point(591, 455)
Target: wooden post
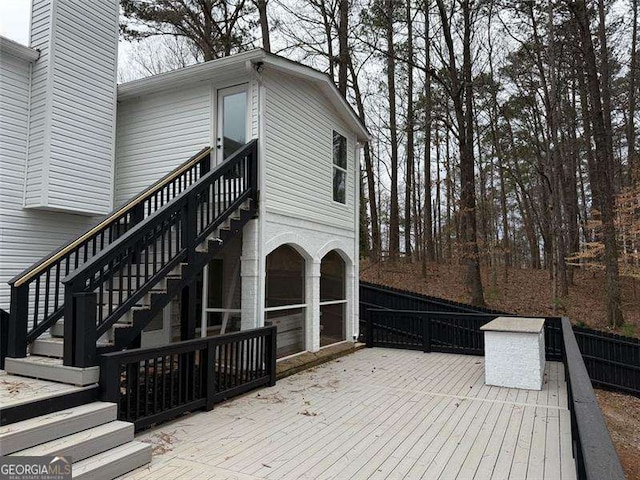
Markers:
point(19, 319)
point(272, 350)
point(110, 380)
point(85, 329)
point(209, 373)
point(369, 330)
point(426, 333)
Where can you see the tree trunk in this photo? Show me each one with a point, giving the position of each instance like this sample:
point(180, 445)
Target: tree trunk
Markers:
point(394, 214)
point(343, 32)
point(429, 249)
point(632, 160)
point(264, 24)
point(408, 186)
point(604, 164)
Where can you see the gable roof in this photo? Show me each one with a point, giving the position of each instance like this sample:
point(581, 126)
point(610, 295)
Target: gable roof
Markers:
point(237, 64)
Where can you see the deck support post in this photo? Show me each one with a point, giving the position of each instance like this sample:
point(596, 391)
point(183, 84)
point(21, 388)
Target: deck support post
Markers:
point(18, 324)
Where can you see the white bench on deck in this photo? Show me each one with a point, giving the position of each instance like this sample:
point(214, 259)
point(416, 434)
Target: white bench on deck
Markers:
point(514, 352)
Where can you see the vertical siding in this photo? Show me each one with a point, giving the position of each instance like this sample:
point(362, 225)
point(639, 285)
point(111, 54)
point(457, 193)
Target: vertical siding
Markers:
point(156, 133)
point(299, 122)
point(71, 142)
point(25, 235)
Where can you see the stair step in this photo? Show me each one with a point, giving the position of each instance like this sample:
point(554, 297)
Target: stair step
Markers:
point(54, 347)
point(113, 463)
point(46, 368)
point(35, 431)
point(86, 443)
point(57, 330)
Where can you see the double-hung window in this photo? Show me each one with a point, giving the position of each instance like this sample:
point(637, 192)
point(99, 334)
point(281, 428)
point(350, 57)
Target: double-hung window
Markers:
point(339, 168)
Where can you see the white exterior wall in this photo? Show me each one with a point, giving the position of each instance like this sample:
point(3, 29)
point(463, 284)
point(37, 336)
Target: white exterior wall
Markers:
point(72, 132)
point(25, 235)
point(157, 133)
point(298, 153)
point(296, 199)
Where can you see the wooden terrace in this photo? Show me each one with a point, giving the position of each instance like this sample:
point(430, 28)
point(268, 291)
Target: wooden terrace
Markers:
point(377, 413)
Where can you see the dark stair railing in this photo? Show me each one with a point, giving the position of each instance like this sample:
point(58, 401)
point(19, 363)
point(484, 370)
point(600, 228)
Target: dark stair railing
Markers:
point(118, 278)
point(37, 294)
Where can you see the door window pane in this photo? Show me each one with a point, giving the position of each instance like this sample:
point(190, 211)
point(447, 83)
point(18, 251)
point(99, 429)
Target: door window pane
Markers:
point(234, 122)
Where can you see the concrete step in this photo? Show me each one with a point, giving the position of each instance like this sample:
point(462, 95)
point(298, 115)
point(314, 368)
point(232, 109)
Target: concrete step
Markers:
point(113, 463)
point(38, 430)
point(47, 368)
point(86, 443)
point(54, 347)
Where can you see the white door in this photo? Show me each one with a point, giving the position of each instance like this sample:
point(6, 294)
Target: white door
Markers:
point(158, 331)
point(233, 123)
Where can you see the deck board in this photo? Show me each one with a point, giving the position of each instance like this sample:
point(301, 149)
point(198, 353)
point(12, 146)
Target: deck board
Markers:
point(376, 414)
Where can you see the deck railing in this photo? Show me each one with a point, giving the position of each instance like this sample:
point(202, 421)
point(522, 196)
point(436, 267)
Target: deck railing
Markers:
point(37, 294)
point(593, 450)
point(116, 279)
point(152, 385)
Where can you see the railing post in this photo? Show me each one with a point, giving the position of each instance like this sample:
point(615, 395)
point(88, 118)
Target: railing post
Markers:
point(85, 329)
point(369, 326)
point(110, 380)
point(205, 165)
point(4, 336)
point(209, 372)
point(19, 320)
point(272, 349)
point(253, 172)
point(426, 333)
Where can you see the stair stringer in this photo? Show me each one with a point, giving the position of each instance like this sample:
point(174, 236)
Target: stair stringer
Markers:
point(125, 337)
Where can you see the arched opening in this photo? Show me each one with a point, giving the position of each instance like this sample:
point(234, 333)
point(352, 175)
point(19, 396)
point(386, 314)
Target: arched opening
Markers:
point(333, 299)
point(285, 298)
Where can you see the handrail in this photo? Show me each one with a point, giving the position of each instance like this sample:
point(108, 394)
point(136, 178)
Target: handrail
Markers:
point(116, 278)
point(49, 259)
point(37, 294)
point(596, 457)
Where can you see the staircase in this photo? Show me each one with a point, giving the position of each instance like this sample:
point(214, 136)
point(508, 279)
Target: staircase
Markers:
point(96, 295)
point(99, 446)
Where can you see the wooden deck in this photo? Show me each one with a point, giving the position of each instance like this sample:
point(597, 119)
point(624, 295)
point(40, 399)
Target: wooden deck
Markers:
point(16, 390)
point(377, 413)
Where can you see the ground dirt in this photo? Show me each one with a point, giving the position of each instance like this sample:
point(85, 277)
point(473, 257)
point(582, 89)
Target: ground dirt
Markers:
point(622, 414)
point(523, 291)
point(528, 292)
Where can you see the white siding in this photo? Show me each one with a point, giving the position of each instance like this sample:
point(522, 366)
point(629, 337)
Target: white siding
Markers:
point(156, 133)
point(74, 90)
point(25, 235)
point(298, 146)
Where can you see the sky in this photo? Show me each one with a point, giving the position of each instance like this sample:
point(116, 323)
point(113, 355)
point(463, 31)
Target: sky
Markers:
point(14, 20)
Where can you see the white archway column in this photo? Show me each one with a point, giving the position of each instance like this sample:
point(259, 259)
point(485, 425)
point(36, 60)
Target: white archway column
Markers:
point(251, 316)
point(352, 303)
point(312, 299)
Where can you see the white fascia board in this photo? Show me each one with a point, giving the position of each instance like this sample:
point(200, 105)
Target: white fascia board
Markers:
point(16, 49)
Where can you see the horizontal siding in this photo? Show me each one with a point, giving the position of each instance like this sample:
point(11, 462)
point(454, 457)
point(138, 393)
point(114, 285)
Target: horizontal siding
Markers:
point(25, 235)
point(84, 57)
point(299, 124)
point(157, 133)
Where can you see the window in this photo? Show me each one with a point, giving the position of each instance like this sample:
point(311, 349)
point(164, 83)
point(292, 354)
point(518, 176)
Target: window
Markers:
point(339, 168)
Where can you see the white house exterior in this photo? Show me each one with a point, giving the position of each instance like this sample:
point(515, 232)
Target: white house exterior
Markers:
point(75, 147)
